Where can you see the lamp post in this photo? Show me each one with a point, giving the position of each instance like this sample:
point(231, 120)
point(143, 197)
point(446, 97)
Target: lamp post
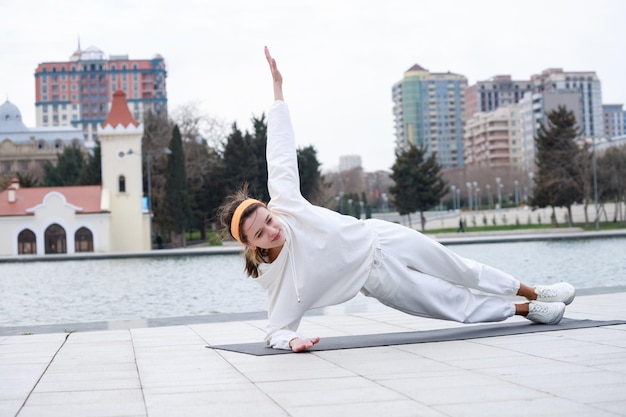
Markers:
point(595, 183)
point(453, 192)
point(469, 195)
point(499, 185)
point(489, 201)
point(476, 202)
point(516, 193)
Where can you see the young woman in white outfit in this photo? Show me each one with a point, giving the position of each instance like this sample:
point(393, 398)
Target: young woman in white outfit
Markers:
point(307, 256)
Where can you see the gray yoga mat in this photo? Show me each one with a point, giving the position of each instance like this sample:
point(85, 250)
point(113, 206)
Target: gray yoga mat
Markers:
point(405, 338)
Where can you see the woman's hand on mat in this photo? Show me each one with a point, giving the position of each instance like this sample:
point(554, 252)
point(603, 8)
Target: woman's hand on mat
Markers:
point(298, 345)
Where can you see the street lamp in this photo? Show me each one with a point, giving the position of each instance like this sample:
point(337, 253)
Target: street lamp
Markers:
point(595, 184)
point(531, 176)
point(453, 192)
point(476, 202)
point(516, 182)
point(469, 195)
point(499, 185)
point(489, 201)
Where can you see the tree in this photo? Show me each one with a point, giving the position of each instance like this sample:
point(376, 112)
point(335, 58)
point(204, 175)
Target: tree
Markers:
point(311, 179)
point(560, 178)
point(177, 197)
point(91, 172)
point(156, 135)
point(197, 126)
point(27, 180)
point(611, 169)
point(67, 170)
point(201, 135)
point(239, 162)
point(419, 183)
point(258, 144)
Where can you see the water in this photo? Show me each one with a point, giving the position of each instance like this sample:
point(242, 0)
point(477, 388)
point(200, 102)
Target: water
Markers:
point(127, 289)
point(585, 263)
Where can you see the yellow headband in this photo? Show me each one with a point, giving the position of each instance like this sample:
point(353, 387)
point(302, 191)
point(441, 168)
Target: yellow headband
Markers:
point(234, 223)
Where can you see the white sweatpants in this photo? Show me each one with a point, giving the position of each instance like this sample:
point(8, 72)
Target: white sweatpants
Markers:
point(417, 275)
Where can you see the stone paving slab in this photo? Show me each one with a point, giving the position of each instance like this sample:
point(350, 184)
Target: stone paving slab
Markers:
point(167, 371)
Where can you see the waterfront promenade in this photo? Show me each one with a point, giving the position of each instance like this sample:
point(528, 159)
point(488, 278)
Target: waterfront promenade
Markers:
point(163, 368)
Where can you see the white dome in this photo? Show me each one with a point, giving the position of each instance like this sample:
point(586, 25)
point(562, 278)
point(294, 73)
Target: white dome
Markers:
point(92, 54)
point(11, 118)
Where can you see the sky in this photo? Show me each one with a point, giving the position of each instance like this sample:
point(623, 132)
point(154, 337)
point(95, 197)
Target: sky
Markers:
point(339, 58)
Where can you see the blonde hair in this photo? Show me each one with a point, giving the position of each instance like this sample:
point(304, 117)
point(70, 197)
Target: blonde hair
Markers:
point(253, 257)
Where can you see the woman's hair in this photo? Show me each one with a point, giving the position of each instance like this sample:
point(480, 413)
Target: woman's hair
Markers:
point(225, 213)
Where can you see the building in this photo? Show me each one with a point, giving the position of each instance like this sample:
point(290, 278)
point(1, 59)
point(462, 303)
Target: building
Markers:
point(428, 111)
point(533, 110)
point(348, 162)
point(586, 84)
point(488, 95)
point(614, 120)
point(25, 150)
point(493, 139)
point(101, 218)
point(79, 92)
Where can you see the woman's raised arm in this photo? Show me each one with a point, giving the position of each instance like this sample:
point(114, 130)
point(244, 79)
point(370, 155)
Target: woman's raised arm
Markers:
point(277, 78)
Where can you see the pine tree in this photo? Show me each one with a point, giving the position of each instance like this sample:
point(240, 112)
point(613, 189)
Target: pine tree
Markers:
point(311, 178)
point(560, 179)
point(178, 209)
point(67, 170)
point(240, 163)
point(419, 183)
point(91, 172)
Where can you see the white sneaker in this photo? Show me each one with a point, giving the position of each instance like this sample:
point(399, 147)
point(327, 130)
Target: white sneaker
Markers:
point(545, 313)
point(562, 292)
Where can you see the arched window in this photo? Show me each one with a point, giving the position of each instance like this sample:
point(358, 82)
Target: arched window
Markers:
point(121, 181)
point(83, 240)
point(26, 242)
point(55, 239)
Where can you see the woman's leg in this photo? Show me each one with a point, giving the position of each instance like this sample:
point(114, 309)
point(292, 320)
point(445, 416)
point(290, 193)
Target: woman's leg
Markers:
point(423, 254)
point(419, 294)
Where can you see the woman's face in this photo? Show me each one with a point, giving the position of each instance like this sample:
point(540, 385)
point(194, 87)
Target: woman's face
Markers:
point(262, 230)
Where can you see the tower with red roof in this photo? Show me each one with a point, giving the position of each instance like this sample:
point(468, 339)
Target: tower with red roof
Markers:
point(122, 181)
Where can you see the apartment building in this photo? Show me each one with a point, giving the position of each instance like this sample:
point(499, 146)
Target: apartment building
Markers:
point(428, 109)
point(493, 139)
point(79, 92)
point(488, 95)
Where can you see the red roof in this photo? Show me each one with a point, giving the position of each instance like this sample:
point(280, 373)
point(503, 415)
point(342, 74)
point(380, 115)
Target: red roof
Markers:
point(86, 197)
point(119, 114)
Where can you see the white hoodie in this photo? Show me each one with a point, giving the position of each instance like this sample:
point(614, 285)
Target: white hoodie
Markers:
point(327, 257)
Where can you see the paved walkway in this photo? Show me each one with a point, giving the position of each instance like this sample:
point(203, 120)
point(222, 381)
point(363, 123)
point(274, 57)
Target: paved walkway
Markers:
point(167, 371)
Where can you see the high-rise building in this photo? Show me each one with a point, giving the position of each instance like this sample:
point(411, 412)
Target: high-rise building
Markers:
point(488, 95)
point(348, 162)
point(428, 111)
point(614, 120)
point(493, 139)
point(587, 84)
point(79, 92)
point(534, 108)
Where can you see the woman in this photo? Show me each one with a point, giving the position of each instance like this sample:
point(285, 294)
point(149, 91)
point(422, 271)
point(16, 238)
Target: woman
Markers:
point(306, 256)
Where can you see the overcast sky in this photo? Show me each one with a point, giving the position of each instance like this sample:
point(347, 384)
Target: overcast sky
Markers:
point(339, 59)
